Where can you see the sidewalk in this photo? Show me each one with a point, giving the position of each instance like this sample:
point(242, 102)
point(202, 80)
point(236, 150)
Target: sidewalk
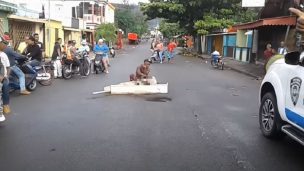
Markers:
point(252, 70)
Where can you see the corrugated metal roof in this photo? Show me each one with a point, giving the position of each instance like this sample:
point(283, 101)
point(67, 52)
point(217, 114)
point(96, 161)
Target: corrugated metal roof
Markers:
point(34, 20)
point(278, 21)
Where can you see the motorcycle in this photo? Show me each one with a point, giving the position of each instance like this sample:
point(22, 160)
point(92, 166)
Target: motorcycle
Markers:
point(45, 73)
point(98, 64)
point(30, 78)
point(70, 68)
point(217, 62)
point(155, 58)
point(112, 52)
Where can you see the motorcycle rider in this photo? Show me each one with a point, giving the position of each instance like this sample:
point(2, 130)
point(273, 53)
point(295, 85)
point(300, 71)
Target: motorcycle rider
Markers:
point(13, 56)
point(215, 56)
point(34, 52)
point(56, 58)
point(102, 49)
point(71, 53)
point(84, 46)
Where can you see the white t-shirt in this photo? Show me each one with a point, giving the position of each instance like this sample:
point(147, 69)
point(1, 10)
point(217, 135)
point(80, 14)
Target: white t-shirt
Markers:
point(5, 62)
point(216, 53)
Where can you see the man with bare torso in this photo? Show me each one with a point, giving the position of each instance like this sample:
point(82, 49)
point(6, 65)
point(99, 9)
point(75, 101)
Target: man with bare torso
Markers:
point(142, 71)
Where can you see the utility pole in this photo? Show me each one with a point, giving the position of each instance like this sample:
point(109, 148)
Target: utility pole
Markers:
point(49, 31)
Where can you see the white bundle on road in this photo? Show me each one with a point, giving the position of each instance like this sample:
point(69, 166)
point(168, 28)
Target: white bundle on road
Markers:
point(146, 86)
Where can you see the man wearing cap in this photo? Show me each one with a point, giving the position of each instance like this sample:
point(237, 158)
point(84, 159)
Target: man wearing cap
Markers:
point(84, 46)
point(103, 49)
point(13, 56)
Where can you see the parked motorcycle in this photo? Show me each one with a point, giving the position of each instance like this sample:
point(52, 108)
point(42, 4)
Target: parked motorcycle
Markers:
point(155, 58)
point(98, 64)
point(70, 68)
point(30, 78)
point(45, 73)
point(112, 52)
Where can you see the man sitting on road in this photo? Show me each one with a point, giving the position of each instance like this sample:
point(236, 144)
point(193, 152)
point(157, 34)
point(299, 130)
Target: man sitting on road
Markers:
point(142, 71)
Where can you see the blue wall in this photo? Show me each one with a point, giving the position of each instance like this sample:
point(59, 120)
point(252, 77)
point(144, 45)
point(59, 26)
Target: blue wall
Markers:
point(229, 41)
point(209, 44)
point(249, 44)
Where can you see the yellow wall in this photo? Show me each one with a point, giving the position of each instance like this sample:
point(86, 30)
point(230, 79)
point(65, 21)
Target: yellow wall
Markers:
point(72, 35)
point(241, 38)
point(218, 43)
point(51, 37)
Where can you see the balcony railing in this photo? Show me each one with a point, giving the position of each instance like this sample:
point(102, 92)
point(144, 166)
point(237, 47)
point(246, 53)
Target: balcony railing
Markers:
point(7, 6)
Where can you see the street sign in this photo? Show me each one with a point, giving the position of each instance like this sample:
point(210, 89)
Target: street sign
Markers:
point(253, 3)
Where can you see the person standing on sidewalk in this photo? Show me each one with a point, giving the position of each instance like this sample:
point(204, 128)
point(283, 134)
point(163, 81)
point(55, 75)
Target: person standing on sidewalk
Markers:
point(268, 53)
point(282, 49)
point(56, 58)
point(2, 73)
point(40, 44)
point(5, 82)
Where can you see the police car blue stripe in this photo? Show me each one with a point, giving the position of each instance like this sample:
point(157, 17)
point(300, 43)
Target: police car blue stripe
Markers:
point(294, 117)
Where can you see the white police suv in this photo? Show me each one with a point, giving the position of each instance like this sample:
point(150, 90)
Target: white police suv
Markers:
point(282, 98)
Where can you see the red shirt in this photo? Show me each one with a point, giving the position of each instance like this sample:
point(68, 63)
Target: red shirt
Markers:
point(268, 54)
point(171, 46)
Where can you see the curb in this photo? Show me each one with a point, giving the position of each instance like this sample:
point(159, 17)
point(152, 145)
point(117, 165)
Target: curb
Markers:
point(243, 72)
point(235, 69)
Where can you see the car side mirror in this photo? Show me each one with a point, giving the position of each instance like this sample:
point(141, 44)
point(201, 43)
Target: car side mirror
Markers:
point(292, 58)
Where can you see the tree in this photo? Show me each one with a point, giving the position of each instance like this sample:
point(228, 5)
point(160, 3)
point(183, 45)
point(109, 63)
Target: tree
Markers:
point(130, 21)
point(107, 32)
point(170, 29)
point(187, 13)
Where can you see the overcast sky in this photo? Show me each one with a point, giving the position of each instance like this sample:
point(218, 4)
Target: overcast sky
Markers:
point(130, 1)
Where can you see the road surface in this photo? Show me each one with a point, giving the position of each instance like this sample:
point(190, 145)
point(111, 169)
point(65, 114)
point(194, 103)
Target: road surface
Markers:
point(208, 121)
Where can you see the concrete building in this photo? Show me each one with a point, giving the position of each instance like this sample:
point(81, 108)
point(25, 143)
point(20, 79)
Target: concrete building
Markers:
point(6, 8)
point(108, 14)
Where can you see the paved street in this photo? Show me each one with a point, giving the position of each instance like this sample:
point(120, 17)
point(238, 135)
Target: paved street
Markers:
point(209, 121)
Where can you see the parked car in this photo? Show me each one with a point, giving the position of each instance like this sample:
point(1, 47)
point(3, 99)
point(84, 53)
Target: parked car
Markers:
point(282, 98)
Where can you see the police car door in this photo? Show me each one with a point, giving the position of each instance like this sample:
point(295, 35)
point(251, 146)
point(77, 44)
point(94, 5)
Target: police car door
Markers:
point(294, 108)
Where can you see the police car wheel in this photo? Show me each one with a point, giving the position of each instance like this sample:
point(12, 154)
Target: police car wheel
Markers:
point(269, 118)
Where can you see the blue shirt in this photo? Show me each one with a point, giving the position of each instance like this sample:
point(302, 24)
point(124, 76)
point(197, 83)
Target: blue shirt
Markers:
point(101, 48)
point(12, 55)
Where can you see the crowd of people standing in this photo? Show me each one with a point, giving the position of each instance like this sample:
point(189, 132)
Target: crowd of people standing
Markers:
point(164, 50)
point(31, 50)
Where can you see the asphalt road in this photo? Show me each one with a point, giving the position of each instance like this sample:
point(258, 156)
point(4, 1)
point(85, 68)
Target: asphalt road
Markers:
point(211, 123)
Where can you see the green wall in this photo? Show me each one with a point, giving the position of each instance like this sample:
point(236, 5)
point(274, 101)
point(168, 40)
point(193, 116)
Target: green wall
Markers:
point(3, 16)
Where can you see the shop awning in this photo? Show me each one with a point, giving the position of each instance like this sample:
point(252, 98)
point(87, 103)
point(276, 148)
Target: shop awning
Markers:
point(88, 30)
point(278, 21)
point(71, 29)
point(33, 20)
